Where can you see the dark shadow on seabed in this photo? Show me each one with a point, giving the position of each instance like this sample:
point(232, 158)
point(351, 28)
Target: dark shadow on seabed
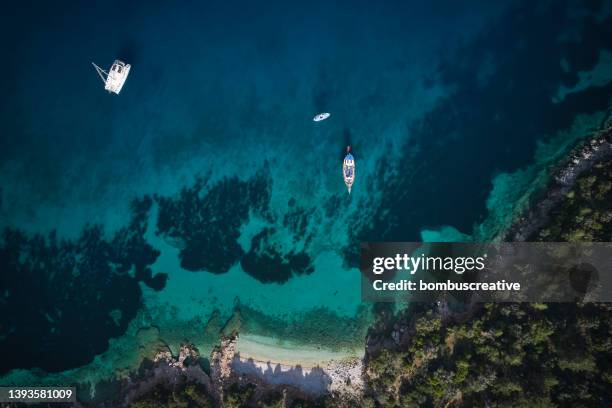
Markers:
point(57, 290)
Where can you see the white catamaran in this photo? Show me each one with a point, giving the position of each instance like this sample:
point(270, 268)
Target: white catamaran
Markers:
point(115, 78)
point(348, 169)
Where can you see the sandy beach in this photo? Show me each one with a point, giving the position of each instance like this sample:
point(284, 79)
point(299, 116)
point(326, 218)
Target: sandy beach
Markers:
point(311, 369)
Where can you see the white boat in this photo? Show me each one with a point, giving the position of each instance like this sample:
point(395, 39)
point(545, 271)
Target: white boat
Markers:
point(348, 169)
point(321, 116)
point(115, 77)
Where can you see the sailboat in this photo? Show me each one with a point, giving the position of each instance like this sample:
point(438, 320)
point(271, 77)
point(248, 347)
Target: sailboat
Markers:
point(115, 77)
point(348, 169)
point(321, 116)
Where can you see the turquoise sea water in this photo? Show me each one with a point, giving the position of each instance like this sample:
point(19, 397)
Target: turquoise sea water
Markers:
point(204, 198)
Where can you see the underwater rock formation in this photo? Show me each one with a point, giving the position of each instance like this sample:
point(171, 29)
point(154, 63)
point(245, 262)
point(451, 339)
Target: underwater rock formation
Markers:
point(56, 291)
point(266, 264)
point(206, 220)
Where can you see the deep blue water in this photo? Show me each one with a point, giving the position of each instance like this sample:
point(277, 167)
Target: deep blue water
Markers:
point(208, 170)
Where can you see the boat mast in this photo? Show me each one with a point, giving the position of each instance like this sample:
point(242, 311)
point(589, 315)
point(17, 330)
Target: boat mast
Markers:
point(100, 72)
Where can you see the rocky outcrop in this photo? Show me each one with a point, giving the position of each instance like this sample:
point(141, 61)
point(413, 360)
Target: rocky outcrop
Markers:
point(221, 359)
point(166, 369)
point(584, 158)
point(188, 356)
point(346, 377)
point(563, 178)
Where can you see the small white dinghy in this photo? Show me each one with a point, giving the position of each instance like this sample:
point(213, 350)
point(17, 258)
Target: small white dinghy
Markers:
point(115, 77)
point(321, 116)
point(348, 169)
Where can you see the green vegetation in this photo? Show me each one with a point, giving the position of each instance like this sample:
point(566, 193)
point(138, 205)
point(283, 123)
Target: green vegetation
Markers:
point(273, 399)
point(247, 396)
point(181, 395)
point(187, 394)
point(586, 212)
point(497, 355)
point(238, 396)
point(503, 355)
point(507, 355)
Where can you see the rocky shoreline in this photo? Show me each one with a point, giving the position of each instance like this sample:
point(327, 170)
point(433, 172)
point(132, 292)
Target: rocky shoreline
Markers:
point(231, 377)
point(166, 369)
point(581, 160)
point(411, 357)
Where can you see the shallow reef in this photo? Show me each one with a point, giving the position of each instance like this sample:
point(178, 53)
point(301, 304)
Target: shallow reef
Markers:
point(497, 96)
point(206, 219)
point(57, 290)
